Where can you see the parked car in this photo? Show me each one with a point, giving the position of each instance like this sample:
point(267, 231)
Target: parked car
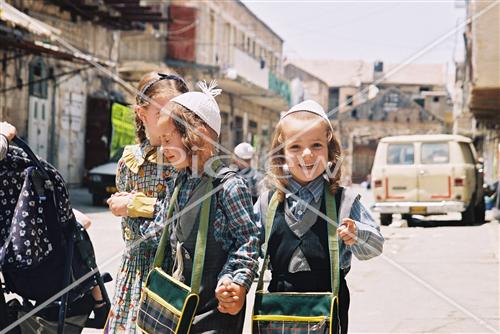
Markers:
point(427, 175)
point(102, 179)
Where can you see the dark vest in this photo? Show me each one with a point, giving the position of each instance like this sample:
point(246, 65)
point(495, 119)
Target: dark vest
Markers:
point(208, 319)
point(314, 244)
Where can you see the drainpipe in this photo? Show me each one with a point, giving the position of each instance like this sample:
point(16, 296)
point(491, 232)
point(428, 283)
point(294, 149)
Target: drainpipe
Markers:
point(52, 141)
point(231, 121)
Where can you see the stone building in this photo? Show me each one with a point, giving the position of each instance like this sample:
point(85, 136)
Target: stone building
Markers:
point(59, 58)
point(224, 40)
point(477, 86)
point(305, 86)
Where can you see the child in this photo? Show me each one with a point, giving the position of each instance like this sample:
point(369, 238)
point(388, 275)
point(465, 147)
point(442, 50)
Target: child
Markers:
point(190, 129)
point(139, 172)
point(304, 148)
point(242, 164)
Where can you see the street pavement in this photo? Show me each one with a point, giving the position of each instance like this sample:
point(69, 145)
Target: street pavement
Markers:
point(433, 277)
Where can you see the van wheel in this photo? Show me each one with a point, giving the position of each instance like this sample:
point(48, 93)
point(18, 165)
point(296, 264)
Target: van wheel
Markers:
point(385, 219)
point(468, 214)
point(406, 216)
point(479, 212)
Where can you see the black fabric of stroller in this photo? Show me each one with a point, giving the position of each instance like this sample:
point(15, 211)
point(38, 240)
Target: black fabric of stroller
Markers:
point(36, 221)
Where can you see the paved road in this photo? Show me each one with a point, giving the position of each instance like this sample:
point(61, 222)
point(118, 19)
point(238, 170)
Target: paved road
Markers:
point(438, 279)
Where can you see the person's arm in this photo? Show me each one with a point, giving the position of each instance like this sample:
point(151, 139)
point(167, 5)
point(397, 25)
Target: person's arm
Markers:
point(369, 241)
point(7, 133)
point(242, 263)
point(4, 147)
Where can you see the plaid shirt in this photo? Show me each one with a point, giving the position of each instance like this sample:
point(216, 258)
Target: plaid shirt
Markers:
point(370, 240)
point(235, 227)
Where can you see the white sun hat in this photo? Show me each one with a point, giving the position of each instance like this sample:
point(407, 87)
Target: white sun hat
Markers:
point(244, 151)
point(203, 104)
point(309, 106)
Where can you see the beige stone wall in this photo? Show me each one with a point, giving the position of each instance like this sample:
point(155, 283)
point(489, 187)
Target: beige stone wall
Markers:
point(84, 35)
point(314, 88)
point(224, 25)
point(344, 93)
point(67, 94)
point(485, 45)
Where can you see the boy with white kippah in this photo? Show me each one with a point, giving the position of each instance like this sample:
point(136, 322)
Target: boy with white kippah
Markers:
point(314, 224)
point(242, 164)
point(190, 126)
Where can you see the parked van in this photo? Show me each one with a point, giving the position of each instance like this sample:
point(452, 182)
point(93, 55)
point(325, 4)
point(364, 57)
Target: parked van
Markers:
point(427, 175)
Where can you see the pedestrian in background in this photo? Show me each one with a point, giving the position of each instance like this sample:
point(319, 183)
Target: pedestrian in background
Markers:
point(242, 164)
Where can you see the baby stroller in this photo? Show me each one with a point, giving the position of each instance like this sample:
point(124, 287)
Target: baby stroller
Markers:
point(46, 256)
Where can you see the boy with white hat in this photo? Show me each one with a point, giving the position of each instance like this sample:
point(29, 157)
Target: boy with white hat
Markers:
point(242, 164)
point(190, 126)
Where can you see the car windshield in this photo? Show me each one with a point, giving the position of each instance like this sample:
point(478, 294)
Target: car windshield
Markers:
point(118, 154)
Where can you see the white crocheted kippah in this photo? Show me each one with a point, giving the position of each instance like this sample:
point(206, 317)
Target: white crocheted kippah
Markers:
point(203, 104)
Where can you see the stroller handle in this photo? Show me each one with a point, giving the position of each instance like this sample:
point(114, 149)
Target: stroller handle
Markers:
point(24, 146)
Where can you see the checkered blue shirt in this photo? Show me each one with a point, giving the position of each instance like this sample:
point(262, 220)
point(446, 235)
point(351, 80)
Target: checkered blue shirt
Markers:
point(370, 240)
point(235, 226)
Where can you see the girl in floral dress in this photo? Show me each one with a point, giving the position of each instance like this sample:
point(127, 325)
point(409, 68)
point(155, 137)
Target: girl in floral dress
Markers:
point(139, 172)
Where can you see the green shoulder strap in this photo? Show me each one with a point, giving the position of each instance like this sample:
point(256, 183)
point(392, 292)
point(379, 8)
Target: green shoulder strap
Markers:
point(164, 241)
point(201, 240)
point(271, 211)
point(333, 242)
point(333, 245)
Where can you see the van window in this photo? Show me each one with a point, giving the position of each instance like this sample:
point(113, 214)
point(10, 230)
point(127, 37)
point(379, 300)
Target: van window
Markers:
point(435, 153)
point(466, 153)
point(400, 154)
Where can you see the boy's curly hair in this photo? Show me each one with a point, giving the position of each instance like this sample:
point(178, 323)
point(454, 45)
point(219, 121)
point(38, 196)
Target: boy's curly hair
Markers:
point(162, 87)
point(276, 174)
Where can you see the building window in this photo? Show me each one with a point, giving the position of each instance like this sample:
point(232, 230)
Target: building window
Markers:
point(333, 98)
point(38, 85)
point(435, 99)
point(349, 100)
point(238, 130)
point(424, 89)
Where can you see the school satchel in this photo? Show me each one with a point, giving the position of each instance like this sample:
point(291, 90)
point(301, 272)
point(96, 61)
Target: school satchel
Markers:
point(294, 312)
point(167, 305)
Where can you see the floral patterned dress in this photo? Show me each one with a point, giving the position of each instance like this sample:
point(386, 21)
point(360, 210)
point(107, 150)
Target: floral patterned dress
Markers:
point(137, 171)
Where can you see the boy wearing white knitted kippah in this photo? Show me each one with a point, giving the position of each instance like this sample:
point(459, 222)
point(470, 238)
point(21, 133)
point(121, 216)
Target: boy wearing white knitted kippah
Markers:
point(190, 126)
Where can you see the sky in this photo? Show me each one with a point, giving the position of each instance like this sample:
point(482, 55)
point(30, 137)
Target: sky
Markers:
point(391, 31)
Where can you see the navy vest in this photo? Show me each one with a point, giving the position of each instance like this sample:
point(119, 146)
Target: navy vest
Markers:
point(314, 244)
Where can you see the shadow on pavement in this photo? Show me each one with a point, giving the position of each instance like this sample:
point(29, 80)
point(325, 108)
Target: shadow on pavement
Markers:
point(416, 222)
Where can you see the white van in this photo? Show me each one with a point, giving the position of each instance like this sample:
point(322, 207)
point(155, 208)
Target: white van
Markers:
point(426, 175)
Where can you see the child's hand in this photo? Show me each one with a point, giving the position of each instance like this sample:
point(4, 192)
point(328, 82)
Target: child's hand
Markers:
point(231, 297)
point(348, 231)
point(8, 130)
point(118, 204)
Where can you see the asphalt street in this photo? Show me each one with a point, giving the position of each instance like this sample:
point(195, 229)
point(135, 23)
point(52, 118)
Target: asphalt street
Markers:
point(433, 277)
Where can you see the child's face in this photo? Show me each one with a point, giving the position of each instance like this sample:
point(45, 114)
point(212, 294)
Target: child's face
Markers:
point(171, 143)
point(150, 115)
point(306, 152)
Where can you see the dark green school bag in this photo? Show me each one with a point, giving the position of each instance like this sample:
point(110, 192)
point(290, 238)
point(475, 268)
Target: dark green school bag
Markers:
point(294, 312)
point(167, 305)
